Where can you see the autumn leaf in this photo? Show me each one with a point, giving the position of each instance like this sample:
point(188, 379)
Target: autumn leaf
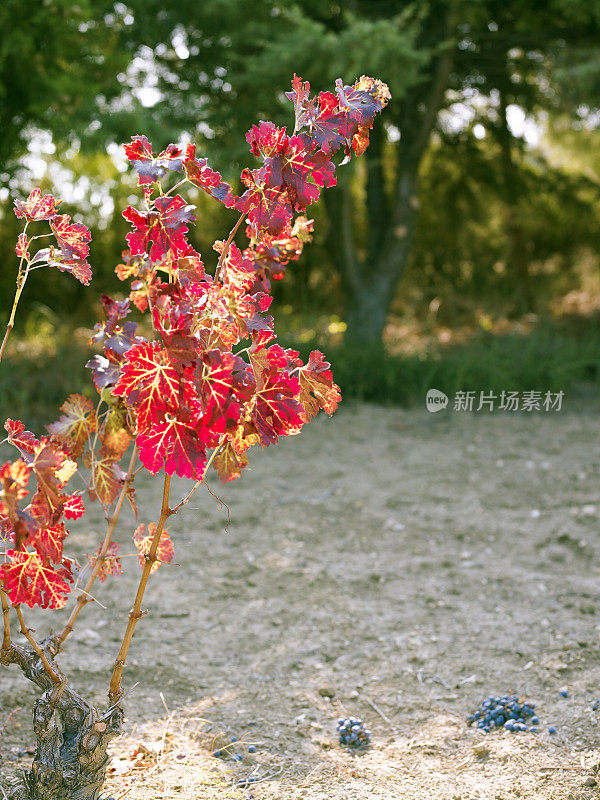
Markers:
point(36, 207)
point(26, 579)
point(76, 425)
point(328, 123)
point(177, 444)
point(66, 262)
point(115, 442)
point(143, 543)
point(106, 484)
point(111, 563)
point(105, 370)
point(267, 208)
point(53, 468)
point(150, 384)
point(150, 167)
point(160, 230)
point(317, 389)
point(14, 478)
point(300, 98)
point(209, 180)
point(275, 411)
point(49, 542)
point(24, 440)
point(73, 238)
point(229, 463)
point(216, 387)
point(22, 246)
point(74, 507)
point(360, 104)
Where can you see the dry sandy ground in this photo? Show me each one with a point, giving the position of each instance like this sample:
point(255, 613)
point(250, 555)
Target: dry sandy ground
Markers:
point(393, 565)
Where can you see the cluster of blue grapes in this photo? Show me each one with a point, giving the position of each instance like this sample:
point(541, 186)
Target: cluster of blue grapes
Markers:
point(352, 732)
point(508, 712)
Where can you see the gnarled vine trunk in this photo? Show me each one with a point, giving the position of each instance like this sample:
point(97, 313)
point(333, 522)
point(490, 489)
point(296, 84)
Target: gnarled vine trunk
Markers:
point(72, 736)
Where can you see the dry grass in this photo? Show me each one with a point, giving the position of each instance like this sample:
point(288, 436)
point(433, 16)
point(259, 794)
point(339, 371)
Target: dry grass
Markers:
point(171, 759)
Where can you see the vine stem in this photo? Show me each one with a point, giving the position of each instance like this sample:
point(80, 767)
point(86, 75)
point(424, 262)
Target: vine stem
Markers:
point(21, 278)
point(185, 500)
point(84, 597)
point(27, 634)
point(6, 618)
point(232, 233)
point(115, 692)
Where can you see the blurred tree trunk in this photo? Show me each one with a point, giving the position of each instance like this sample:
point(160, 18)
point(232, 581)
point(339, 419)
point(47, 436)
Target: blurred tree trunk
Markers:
point(518, 253)
point(369, 282)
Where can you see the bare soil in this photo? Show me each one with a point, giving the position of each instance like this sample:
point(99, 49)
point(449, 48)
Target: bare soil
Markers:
point(392, 565)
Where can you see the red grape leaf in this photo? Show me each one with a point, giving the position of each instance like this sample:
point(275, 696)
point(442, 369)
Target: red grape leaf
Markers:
point(105, 371)
point(24, 440)
point(328, 123)
point(229, 463)
point(149, 382)
point(74, 507)
point(289, 164)
point(77, 424)
point(53, 468)
point(111, 563)
point(65, 262)
point(360, 104)
point(209, 180)
point(275, 411)
point(165, 550)
point(175, 443)
point(73, 237)
point(115, 438)
point(317, 389)
point(215, 387)
point(106, 483)
point(267, 208)
point(160, 230)
point(49, 542)
point(150, 167)
point(300, 98)
point(26, 579)
point(36, 207)
point(22, 246)
point(14, 478)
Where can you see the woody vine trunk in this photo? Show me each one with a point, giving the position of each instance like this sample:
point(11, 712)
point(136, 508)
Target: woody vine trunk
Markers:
point(72, 735)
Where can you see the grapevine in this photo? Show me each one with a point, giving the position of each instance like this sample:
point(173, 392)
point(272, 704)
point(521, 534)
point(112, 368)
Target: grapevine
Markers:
point(207, 385)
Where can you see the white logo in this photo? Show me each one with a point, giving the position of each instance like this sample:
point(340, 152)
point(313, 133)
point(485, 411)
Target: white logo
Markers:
point(436, 400)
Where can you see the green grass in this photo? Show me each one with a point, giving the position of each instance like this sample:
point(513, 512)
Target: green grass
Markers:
point(33, 387)
point(552, 357)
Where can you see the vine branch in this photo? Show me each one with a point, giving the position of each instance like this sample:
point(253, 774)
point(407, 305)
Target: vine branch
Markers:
point(21, 278)
point(35, 646)
point(232, 233)
point(115, 691)
point(6, 619)
point(84, 597)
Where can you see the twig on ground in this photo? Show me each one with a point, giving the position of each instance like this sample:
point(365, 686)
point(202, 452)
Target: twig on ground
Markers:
point(379, 711)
